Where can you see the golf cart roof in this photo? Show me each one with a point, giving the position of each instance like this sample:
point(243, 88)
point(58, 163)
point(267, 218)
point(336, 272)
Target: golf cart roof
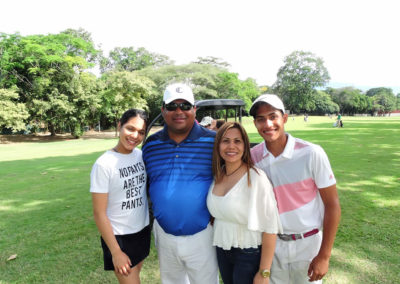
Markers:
point(218, 104)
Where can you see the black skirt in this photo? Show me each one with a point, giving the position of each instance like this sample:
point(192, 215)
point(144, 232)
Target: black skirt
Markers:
point(136, 246)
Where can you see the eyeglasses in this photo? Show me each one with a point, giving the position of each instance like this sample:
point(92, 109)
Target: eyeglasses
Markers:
point(182, 106)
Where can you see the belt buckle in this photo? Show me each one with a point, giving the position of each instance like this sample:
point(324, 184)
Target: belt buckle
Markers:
point(285, 237)
point(291, 237)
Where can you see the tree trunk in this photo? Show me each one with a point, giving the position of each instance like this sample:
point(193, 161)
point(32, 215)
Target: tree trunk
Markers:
point(116, 128)
point(52, 129)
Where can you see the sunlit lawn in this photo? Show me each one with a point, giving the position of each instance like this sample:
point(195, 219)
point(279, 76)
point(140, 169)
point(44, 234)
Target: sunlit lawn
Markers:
point(46, 217)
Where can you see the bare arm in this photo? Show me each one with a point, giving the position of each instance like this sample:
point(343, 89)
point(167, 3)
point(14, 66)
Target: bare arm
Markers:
point(267, 254)
point(320, 264)
point(121, 261)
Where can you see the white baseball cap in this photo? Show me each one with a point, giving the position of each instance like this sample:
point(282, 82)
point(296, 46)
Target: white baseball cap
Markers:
point(270, 99)
point(207, 120)
point(178, 91)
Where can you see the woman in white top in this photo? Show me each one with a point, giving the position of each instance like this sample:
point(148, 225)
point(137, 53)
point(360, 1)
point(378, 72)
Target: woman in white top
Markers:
point(243, 204)
point(120, 208)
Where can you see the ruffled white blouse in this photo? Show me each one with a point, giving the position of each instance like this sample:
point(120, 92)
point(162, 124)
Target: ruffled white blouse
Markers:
point(244, 212)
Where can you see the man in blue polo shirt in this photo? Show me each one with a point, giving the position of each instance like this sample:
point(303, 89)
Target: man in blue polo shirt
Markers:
point(178, 162)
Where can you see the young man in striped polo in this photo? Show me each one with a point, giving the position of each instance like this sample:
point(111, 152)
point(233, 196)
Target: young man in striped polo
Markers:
point(178, 163)
point(305, 190)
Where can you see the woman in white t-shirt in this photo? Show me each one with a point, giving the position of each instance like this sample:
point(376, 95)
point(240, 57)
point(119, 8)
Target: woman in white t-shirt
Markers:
point(243, 204)
point(120, 208)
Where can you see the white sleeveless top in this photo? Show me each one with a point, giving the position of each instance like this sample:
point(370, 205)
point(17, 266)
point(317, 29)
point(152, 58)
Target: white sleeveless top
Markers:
point(242, 214)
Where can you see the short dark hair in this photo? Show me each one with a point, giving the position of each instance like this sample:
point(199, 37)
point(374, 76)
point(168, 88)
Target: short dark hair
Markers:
point(133, 112)
point(219, 123)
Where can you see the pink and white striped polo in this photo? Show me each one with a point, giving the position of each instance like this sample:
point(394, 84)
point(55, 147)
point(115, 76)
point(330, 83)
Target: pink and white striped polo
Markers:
point(297, 175)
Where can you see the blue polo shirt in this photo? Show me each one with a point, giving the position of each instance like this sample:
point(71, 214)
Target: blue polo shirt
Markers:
point(179, 176)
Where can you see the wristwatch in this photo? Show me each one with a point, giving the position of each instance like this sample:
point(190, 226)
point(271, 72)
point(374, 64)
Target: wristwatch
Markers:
point(265, 273)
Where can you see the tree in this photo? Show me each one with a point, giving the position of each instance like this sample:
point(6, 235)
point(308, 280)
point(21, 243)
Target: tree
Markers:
point(47, 71)
point(350, 100)
point(324, 104)
point(384, 102)
point(84, 94)
point(12, 113)
point(383, 99)
point(201, 77)
point(124, 90)
point(297, 79)
point(83, 45)
point(211, 60)
point(129, 59)
point(207, 81)
point(229, 86)
point(374, 91)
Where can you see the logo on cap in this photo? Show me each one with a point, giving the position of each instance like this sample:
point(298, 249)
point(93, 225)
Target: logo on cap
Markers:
point(179, 90)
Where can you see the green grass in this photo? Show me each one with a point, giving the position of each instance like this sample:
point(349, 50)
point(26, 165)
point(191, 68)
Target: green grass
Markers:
point(46, 216)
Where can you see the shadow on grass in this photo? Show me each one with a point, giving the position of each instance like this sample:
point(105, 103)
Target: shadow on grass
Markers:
point(46, 219)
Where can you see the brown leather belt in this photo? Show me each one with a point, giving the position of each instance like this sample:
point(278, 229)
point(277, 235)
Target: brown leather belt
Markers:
point(293, 237)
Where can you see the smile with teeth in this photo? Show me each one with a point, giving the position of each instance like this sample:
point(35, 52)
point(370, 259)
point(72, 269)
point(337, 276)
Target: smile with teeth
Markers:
point(271, 131)
point(132, 142)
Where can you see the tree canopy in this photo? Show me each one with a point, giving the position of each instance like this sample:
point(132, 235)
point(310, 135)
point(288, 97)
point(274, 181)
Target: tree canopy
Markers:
point(298, 78)
point(12, 113)
point(46, 81)
point(130, 59)
point(48, 72)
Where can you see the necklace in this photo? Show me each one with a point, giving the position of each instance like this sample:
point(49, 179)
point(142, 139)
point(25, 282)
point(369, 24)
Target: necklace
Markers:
point(115, 149)
point(233, 171)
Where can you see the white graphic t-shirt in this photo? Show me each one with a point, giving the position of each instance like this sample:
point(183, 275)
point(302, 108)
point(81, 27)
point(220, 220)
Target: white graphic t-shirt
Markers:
point(123, 177)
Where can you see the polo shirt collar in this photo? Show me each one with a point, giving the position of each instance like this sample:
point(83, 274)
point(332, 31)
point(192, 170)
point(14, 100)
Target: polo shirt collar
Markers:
point(193, 134)
point(287, 152)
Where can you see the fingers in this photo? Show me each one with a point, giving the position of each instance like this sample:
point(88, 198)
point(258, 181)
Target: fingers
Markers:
point(317, 269)
point(122, 264)
point(315, 276)
point(124, 270)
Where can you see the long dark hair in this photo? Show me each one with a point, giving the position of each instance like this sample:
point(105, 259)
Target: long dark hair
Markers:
point(218, 163)
point(133, 112)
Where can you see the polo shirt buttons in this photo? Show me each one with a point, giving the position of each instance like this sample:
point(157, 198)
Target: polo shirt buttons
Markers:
point(177, 156)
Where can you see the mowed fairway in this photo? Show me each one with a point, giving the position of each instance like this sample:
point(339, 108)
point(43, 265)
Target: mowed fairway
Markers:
point(46, 215)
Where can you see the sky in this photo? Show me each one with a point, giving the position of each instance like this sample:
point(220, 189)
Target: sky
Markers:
point(358, 40)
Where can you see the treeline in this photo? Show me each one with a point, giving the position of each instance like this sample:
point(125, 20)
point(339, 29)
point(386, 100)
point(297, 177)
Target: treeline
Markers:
point(45, 82)
point(301, 79)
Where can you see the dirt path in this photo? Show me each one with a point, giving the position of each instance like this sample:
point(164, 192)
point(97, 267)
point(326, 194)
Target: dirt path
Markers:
point(17, 138)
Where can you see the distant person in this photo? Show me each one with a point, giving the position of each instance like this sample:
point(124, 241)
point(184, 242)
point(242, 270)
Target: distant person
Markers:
point(246, 215)
point(339, 122)
point(305, 117)
point(208, 122)
point(305, 190)
point(121, 213)
point(178, 161)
